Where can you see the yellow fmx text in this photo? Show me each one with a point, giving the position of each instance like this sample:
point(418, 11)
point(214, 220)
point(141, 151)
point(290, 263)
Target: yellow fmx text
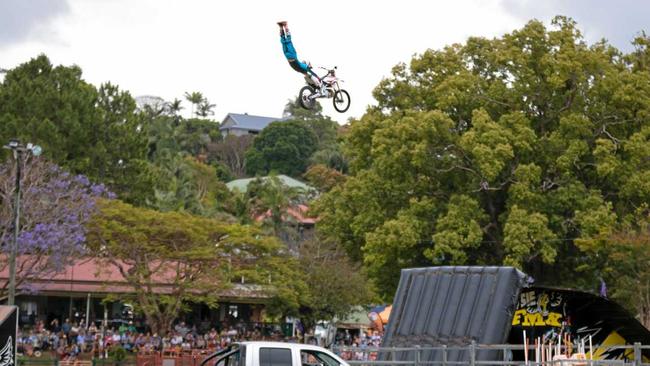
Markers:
point(525, 319)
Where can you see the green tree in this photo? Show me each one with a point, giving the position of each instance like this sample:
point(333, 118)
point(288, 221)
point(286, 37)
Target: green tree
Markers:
point(496, 151)
point(271, 197)
point(231, 152)
point(283, 147)
point(323, 177)
point(332, 157)
point(193, 259)
point(87, 131)
point(324, 264)
point(323, 127)
point(293, 110)
point(205, 108)
point(328, 147)
point(188, 185)
point(118, 147)
point(178, 151)
point(194, 135)
point(171, 135)
point(174, 109)
point(195, 98)
point(620, 252)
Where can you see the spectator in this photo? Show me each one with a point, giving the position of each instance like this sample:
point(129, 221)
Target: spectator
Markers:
point(54, 325)
point(66, 327)
point(81, 341)
point(181, 328)
point(176, 340)
point(123, 329)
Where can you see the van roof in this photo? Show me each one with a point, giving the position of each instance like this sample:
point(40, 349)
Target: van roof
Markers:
point(279, 345)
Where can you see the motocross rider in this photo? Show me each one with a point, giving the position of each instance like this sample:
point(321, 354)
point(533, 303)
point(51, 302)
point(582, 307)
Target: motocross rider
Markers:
point(303, 67)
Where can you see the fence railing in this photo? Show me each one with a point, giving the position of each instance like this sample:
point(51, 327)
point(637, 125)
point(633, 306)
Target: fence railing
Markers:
point(451, 355)
point(28, 361)
point(499, 355)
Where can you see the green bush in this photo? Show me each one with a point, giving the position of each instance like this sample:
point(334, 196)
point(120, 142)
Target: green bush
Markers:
point(118, 353)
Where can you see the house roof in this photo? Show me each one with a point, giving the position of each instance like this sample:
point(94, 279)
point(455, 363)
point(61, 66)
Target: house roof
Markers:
point(249, 122)
point(297, 212)
point(94, 275)
point(242, 184)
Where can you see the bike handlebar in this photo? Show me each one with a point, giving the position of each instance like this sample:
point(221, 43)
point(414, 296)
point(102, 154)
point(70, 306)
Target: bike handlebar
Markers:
point(326, 69)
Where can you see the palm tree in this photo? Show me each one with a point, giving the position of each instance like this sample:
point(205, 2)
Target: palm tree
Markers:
point(205, 108)
point(174, 107)
point(272, 197)
point(195, 98)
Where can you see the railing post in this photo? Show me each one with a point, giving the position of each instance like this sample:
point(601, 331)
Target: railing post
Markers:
point(637, 354)
point(472, 353)
point(444, 355)
point(417, 355)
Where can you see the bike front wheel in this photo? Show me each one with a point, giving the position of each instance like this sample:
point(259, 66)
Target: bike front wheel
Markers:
point(304, 96)
point(341, 101)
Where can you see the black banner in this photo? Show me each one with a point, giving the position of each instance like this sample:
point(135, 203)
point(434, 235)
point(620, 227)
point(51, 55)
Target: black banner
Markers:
point(8, 332)
point(560, 315)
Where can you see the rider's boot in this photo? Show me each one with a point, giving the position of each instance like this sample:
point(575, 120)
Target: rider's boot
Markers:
point(284, 30)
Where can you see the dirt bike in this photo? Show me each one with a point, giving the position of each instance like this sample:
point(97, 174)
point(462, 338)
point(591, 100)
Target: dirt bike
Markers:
point(310, 92)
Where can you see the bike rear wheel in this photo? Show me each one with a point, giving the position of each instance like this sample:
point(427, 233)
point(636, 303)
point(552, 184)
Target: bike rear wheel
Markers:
point(341, 101)
point(304, 96)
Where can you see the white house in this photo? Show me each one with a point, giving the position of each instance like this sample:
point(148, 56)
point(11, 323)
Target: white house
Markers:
point(244, 124)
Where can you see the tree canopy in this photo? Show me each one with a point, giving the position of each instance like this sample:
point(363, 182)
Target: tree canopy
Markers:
point(90, 131)
point(173, 258)
point(283, 147)
point(55, 207)
point(497, 151)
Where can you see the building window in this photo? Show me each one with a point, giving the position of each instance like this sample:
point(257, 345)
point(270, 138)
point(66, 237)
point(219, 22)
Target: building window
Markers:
point(28, 308)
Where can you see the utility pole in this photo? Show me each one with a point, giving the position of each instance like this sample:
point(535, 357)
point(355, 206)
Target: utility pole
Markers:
point(17, 148)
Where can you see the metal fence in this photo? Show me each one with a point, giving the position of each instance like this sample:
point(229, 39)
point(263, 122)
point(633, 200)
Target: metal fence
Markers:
point(475, 355)
point(152, 359)
point(468, 355)
point(29, 361)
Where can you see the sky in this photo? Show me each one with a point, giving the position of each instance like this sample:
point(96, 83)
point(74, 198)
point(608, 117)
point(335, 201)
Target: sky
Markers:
point(230, 50)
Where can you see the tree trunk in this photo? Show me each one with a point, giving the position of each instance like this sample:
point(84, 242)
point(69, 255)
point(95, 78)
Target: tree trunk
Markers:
point(159, 323)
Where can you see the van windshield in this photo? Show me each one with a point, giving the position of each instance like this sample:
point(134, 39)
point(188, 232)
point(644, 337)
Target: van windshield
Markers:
point(317, 358)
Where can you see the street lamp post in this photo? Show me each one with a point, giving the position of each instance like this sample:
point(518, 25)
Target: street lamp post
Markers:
point(17, 148)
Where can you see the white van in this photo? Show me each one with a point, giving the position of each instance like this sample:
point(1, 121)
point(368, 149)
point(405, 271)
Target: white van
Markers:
point(273, 354)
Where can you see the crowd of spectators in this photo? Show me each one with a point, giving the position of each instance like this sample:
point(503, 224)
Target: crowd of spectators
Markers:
point(71, 340)
point(358, 347)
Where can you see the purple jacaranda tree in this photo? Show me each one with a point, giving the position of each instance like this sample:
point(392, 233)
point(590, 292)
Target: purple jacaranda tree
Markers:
point(55, 205)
